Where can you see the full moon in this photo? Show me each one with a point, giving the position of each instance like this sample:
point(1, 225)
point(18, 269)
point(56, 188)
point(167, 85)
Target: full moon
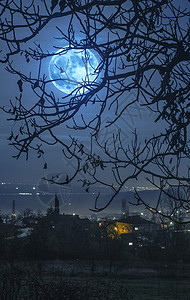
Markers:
point(71, 69)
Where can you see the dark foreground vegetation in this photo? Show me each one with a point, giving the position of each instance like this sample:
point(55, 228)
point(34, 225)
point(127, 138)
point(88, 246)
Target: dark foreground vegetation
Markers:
point(53, 280)
point(71, 258)
point(22, 282)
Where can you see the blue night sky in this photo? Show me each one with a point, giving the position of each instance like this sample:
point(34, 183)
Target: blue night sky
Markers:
point(13, 170)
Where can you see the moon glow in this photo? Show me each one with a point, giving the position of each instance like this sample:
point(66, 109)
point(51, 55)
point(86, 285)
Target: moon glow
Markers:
point(71, 69)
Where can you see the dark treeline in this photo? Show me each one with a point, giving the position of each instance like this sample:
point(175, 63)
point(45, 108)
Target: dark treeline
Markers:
point(69, 237)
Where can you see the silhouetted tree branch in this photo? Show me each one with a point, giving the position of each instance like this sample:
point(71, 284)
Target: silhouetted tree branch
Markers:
point(141, 47)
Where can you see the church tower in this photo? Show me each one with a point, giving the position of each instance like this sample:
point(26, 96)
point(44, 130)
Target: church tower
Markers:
point(56, 209)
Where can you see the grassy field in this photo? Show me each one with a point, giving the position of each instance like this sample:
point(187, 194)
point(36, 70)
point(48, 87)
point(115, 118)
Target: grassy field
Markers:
point(159, 289)
point(32, 281)
point(135, 289)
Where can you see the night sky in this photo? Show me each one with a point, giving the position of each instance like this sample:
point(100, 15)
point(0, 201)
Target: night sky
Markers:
point(13, 170)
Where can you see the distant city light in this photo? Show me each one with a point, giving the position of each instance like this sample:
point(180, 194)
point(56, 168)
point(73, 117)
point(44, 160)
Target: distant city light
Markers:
point(25, 194)
point(130, 243)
